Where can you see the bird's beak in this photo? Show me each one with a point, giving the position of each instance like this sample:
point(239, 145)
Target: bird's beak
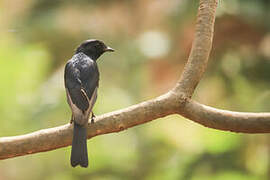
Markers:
point(108, 49)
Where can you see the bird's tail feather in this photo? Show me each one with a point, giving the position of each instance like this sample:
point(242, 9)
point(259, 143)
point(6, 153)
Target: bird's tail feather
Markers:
point(79, 154)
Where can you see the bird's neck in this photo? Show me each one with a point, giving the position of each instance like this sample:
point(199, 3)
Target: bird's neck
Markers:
point(93, 56)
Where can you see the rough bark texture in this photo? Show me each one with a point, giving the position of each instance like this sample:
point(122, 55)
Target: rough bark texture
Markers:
point(176, 101)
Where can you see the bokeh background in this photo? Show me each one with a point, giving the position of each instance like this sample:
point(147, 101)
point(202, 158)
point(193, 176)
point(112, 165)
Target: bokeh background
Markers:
point(152, 41)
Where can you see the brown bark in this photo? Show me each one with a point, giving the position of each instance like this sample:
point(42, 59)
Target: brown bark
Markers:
point(176, 101)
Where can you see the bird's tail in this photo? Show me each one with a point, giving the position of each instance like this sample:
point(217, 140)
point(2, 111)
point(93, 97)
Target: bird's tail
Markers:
point(79, 154)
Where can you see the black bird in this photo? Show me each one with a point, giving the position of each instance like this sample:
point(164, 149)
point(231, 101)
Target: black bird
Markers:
point(81, 82)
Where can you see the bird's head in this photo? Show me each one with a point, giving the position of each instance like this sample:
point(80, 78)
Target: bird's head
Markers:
point(93, 48)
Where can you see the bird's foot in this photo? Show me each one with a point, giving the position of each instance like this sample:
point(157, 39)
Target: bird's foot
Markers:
point(71, 120)
point(93, 118)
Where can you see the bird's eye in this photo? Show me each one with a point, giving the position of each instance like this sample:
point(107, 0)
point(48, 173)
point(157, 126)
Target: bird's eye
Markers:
point(98, 46)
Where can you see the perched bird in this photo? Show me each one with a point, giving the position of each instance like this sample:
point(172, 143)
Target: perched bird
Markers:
point(81, 83)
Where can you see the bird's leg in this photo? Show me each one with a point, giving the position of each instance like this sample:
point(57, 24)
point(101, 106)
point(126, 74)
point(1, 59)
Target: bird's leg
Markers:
point(72, 119)
point(93, 118)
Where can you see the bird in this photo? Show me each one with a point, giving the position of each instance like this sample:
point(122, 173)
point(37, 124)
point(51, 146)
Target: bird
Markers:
point(81, 78)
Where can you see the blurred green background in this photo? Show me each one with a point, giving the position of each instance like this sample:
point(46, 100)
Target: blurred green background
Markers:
point(152, 41)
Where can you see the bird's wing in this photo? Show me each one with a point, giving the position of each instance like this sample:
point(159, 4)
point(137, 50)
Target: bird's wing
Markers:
point(90, 78)
point(74, 87)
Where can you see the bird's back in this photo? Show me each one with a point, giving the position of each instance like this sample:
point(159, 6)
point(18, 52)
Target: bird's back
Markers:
point(88, 73)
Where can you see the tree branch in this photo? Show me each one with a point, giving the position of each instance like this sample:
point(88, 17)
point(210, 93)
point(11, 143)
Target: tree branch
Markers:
point(176, 101)
point(53, 138)
point(200, 50)
point(226, 120)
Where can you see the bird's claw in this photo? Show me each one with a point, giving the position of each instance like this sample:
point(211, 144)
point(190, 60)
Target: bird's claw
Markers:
point(93, 118)
point(71, 120)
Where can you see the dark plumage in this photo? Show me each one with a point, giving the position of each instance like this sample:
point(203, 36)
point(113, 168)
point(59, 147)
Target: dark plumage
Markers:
point(81, 82)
